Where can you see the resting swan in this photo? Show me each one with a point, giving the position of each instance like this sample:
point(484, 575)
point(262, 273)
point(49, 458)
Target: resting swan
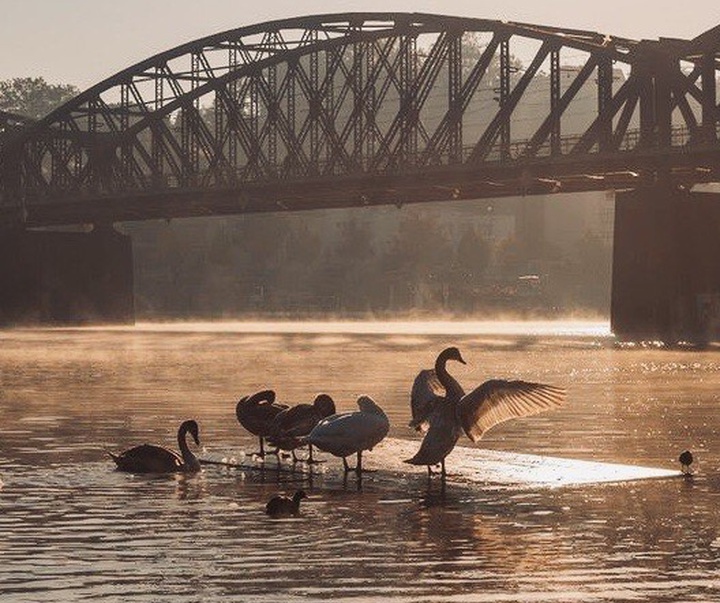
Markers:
point(149, 458)
point(351, 432)
point(489, 404)
point(292, 424)
point(257, 412)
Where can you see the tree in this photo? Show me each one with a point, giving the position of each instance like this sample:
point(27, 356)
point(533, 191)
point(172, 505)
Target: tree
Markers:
point(348, 272)
point(594, 271)
point(418, 262)
point(33, 97)
point(472, 257)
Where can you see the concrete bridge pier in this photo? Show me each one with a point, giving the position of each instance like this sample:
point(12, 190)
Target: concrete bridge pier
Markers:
point(666, 265)
point(50, 277)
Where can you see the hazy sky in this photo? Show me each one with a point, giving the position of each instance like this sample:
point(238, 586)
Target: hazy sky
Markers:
point(84, 41)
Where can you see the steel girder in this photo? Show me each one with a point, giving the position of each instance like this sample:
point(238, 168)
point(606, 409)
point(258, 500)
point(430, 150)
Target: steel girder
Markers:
point(355, 109)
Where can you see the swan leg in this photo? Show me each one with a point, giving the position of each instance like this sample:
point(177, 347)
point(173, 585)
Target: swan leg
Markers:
point(346, 466)
point(432, 471)
point(358, 465)
point(310, 460)
point(261, 453)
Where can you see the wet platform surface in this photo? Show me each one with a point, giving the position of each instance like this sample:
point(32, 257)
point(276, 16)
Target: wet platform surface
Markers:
point(465, 465)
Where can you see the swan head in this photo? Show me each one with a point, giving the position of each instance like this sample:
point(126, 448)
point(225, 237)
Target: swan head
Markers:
point(451, 353)
point(324, 405)
point(192, 428)
point(265, 395)
point(367, 404)
point(298, 496)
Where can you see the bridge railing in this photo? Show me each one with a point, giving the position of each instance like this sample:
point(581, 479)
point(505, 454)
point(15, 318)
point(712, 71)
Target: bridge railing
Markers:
point(516, 152)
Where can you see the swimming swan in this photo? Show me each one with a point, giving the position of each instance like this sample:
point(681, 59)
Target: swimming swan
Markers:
point(256, 413)
point(351, 432)
point(292, 424)
point(149, 458)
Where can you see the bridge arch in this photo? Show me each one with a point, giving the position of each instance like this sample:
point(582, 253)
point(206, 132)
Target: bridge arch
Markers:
point(249, 114)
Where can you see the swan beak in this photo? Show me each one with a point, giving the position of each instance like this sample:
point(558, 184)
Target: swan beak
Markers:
point(460, 359)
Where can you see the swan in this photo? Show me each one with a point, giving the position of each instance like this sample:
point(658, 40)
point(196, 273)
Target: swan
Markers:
point(149, 458)
point(282, 506)
point(291, 424)
point(432, 386)
point(351, 432)
point(256, 413)
point(433, 395)
point(489, 404)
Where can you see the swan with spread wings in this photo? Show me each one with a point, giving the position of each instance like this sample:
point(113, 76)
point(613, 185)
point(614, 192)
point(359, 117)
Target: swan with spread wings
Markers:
point(444, 418)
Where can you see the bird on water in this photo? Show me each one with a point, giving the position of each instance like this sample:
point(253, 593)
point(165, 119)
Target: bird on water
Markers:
point(350, 433)
point(289, 426)
point(256, 413)
point(149, 458)
point(493, 402)
point(282, 506)
point(686, 459)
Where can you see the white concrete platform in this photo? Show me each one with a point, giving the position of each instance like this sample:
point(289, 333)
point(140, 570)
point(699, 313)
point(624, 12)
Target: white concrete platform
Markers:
point(478, 465)
point(465, 465)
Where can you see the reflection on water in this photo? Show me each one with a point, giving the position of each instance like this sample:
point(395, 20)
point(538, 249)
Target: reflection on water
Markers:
point(73, 528)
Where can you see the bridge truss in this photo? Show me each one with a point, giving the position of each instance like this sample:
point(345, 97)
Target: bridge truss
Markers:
point(362, 109)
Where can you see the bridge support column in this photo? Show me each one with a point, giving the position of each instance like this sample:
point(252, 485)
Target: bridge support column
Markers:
point(66, 277)
point(666, 265)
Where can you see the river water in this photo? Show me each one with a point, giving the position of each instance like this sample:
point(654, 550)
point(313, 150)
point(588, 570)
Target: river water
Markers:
point(74, 529)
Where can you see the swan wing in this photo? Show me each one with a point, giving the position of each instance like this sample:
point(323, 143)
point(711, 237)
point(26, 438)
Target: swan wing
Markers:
point(347, 433)
point(442, 434)
point(256, 412)
point(427, 392)
point(297, 421)
point(497, 400)
point(148, 458)
point(291, 424)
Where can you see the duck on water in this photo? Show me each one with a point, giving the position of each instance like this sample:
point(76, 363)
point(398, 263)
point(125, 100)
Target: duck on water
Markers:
point(282, 506)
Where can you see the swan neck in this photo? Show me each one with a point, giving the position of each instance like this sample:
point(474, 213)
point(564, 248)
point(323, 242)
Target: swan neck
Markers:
point(452, 387)
point(185, 452)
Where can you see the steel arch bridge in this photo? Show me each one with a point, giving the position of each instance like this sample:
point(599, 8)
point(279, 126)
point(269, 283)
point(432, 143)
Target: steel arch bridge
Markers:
point(363, 109)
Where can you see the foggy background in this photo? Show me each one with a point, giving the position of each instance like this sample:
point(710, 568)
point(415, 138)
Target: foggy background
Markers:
point(544, 256)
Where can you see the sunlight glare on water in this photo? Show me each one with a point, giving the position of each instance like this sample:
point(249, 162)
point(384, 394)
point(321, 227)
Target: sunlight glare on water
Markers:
point(74, 529)
point(432, 327)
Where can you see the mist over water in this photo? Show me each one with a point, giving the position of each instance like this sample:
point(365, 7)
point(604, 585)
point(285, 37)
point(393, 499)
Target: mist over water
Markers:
point(73, 528)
